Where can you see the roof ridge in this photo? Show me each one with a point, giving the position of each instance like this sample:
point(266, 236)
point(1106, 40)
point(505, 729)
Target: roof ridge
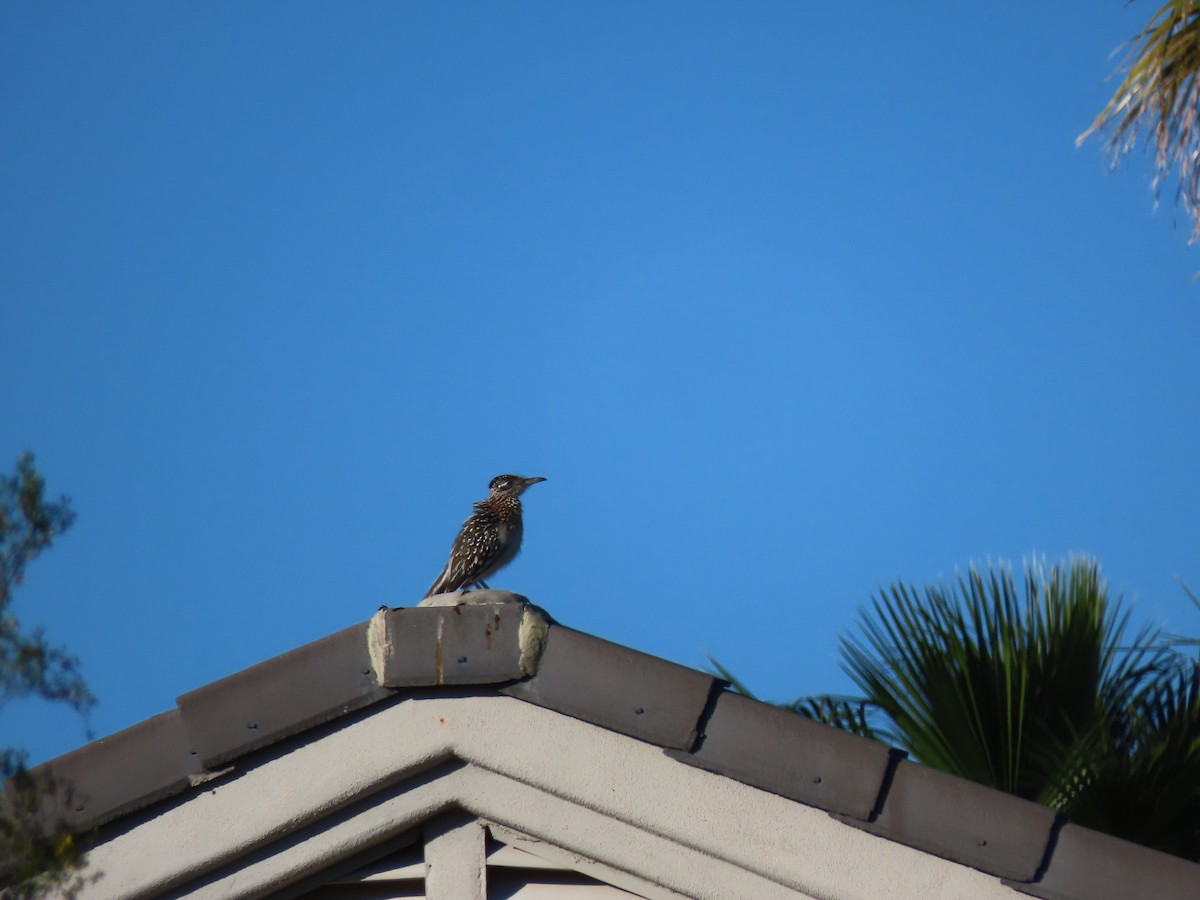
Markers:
point(515, 649)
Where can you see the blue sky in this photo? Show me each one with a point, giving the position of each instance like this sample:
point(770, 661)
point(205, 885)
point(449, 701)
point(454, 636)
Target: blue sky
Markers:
point(787, 303)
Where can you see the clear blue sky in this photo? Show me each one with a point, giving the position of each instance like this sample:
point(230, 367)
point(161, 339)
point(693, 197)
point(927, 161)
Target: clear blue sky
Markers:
point(787, 301)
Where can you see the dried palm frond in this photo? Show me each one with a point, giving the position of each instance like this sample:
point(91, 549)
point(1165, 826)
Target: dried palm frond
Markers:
point(1159, 100)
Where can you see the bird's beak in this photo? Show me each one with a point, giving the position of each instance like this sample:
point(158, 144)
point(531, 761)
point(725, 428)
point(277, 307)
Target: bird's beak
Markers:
point(519, 489)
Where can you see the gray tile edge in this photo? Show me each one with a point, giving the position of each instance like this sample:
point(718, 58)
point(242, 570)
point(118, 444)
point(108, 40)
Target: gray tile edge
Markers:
point(269, 671)
point(962, 854)
point(775, 786)
point(163, 734)
point(233, 752)
point(1155, 862)
point(539, 629)
point(925, 846)
point(1035, 889)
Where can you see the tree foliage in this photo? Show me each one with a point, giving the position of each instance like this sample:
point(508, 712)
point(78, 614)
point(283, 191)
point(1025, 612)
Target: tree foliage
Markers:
point(34, 852)
point(978, 680)
point(28, 525)
point(1158, 100)
point(1145, 782)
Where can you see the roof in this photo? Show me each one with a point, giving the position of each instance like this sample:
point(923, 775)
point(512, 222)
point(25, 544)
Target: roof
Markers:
point(485, 726)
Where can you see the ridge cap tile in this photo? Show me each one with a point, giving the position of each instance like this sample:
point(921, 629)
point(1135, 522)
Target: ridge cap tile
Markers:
point(432, 646)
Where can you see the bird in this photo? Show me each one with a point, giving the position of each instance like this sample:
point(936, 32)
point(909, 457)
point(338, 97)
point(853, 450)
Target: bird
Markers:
point(489, 539)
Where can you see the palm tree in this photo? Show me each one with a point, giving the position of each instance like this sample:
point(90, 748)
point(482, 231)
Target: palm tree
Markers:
point(1159, 98)
point(974, 680)
point(1146, 785)
point(1041, 693)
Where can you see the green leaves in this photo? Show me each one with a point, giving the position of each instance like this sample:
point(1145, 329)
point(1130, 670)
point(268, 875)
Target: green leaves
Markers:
point(36, 853)
point(982, 682)
point(1145, 786)
point(28, 525)
point(1040, 692)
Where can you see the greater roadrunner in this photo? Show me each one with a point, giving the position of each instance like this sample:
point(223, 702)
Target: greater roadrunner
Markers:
point(489, 540)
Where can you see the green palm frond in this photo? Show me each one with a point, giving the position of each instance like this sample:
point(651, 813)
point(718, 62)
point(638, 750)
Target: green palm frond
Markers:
point(720, 671)
point(1181, 643)
point(1146, 785)
point(995, 684)
point(1037, 687)
point(853, 714)
point(1159, 98)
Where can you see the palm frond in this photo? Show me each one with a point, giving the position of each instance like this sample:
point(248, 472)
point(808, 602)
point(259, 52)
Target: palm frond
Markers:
point(994, 684)
point(720, 671)
point(1159, 99)
point(853, 714)
point(1146, 785)
point(1176, 641)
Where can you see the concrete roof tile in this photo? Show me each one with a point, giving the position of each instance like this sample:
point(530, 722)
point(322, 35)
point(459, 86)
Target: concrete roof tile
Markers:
point(787, 754)
point(964, 821)
point(122, 772)
point(679, 709)
point(304, 687)
point(610, 685)
point(1088, 864)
